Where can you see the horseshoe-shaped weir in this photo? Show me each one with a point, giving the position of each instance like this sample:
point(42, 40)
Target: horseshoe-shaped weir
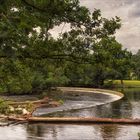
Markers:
point(80, 98)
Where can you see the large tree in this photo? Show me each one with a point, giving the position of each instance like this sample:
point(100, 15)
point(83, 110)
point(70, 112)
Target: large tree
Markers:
point(94, 43)
point(27, 50)
point(31, 59)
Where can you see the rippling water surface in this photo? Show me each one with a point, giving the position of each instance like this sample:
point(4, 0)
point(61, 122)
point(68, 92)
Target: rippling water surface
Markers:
point(76, 102)
point(128, 107)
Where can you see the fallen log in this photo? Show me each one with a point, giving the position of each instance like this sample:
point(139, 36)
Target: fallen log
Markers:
point(71, 120)
point(12, 120)
point(92, 120)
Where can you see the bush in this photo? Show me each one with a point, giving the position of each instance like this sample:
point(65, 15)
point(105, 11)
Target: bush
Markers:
point(4, 107)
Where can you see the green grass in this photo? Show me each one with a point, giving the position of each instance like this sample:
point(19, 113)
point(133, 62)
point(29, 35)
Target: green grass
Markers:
point(127, 83)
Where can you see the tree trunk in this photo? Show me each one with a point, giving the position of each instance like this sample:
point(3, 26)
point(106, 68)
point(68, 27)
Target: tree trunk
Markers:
point(122, 83)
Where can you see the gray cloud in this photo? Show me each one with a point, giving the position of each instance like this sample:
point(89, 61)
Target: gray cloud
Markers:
point(128, 11)
point(135, 12)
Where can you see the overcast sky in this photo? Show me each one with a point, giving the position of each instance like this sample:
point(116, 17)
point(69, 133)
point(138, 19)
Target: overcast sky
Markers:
point(128, 11)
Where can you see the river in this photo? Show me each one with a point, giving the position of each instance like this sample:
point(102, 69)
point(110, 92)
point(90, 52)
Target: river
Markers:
point(128, 107)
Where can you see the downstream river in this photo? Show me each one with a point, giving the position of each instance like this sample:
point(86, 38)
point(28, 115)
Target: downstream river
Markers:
point(82, 105)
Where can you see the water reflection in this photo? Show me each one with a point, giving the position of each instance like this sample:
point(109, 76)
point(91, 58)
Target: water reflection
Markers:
point(109, 131)
point(114, 110)
point(75, 102)
point(70, 132)
point(128, 107)
point(82, 132)
point(119, 109)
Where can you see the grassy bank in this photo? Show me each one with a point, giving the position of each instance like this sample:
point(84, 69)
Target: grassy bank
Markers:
point(127, 83)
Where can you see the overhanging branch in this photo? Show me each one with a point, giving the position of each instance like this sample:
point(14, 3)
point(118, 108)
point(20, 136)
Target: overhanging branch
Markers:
point(71, 58)
point(33, 6)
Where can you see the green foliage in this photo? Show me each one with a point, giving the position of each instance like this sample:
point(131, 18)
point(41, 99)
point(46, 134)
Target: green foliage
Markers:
point(29, 107)
point(4, 107)
point(32, 60)
point(136, 65)
point(16, 77)
point(56, 77)
point(127, 83)
point(25, 53)
point(61, 101)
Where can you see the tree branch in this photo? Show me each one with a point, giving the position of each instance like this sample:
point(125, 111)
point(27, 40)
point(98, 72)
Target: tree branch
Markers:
point(33, 6)
point(71, 58)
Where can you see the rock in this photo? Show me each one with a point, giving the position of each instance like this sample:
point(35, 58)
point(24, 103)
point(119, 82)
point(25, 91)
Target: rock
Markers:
point(22, 111)
point(25, 112)
point(11, 109)
point(19, 110)
point(54, 103)
point(46, 98)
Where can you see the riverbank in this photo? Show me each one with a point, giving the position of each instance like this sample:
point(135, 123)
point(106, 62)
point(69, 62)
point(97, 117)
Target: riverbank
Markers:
point(76, 98)
point(24, 105)
point(126, 83)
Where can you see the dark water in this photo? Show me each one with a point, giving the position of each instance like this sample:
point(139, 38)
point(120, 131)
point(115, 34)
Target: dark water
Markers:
point(128, 107)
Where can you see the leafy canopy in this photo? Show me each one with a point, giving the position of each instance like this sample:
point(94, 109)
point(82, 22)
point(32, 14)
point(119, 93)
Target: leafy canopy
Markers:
point(32, 60)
